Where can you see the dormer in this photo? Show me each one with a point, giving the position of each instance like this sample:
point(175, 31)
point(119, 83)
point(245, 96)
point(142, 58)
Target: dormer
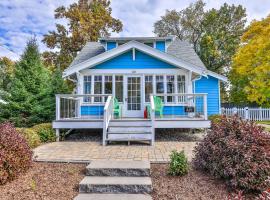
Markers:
point(159, 43)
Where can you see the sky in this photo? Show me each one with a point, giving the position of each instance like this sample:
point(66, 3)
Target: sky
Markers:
point(21, 19)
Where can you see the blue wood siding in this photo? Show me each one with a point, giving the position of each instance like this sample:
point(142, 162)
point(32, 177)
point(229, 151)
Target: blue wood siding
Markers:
point(160, 45)
point(125, 61)
point(211, 87)
point(111, 45)
point(92, 110)
point(174, 110)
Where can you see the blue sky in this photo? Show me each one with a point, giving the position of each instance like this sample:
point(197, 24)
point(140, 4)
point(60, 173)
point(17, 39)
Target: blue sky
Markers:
point(20, 19)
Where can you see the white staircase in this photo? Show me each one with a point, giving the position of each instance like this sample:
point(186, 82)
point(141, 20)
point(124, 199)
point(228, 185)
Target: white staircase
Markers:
point(129, 130)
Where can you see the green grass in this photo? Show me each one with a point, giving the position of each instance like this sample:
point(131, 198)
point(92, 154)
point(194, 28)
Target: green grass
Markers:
point(264, 122)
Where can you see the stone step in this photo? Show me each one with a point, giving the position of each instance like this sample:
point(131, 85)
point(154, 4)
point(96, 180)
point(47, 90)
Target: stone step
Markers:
point(129, 137)
point(131, 129)
point(115, 185)
point(113, 197)
point(118, 168)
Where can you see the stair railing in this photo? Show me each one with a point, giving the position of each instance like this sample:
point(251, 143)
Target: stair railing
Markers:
point(152, 116)
point(107, 116)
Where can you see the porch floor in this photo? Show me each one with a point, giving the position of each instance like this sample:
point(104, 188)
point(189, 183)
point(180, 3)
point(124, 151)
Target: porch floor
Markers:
point(86, 151)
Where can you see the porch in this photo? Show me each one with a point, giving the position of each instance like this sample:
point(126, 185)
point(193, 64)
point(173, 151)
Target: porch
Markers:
point(84, 112)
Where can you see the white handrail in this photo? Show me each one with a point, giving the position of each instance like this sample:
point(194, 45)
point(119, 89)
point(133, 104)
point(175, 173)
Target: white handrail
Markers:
point(108, 113)
point(152, 116)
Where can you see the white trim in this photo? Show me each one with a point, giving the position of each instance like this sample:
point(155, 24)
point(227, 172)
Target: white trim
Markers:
point(133, 54)
point(218, 76)
point(126, 47)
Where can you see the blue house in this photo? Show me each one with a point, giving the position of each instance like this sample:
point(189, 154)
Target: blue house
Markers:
point(130, 86)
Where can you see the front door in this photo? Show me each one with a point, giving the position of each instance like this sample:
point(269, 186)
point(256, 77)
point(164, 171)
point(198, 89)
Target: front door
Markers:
point(133, 100)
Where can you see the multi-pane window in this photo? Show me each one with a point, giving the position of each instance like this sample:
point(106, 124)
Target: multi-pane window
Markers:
point(160, 86)
point(97, 87)
point(181, 87)
point(108, 85)
point(119, 88)
point(87, 87)
point(170, 88)
point(148, 87)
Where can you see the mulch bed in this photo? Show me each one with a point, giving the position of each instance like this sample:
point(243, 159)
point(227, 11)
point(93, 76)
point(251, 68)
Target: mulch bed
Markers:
point(45, 181)
point(193, 186)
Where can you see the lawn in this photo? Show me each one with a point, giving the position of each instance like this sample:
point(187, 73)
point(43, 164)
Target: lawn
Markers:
point(265, 124)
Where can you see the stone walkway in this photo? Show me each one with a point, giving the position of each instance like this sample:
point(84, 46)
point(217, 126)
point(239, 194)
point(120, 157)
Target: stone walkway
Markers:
point(86, 151)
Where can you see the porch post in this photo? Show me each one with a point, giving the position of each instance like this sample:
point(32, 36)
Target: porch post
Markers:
point(205, 106)
point(57, 107)
point(57, 134)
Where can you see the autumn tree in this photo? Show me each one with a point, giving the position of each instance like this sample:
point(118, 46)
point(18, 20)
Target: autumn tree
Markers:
point(250, 74)
point(215, 34)
point(87, 21)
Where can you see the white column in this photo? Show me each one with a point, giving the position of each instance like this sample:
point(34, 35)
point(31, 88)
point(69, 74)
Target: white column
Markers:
point(57, 107)
point(205, 106)
point(57, 134)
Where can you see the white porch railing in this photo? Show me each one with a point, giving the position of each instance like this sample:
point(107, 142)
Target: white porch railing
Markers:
point(253, 114)
point(193, 106)
point(108, 115)
point(75, 106)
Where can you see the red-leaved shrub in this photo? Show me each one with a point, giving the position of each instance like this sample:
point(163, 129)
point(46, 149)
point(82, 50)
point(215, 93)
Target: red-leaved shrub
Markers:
point(15, 154)
point(237, 151)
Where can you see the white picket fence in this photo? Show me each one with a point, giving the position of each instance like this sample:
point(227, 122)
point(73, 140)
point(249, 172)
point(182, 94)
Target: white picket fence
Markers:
point(253, 114)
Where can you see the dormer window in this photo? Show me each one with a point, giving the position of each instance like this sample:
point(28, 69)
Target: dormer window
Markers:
point(150, 44)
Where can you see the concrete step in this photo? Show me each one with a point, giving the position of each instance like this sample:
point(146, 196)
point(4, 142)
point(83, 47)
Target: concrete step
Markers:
point(118, 168)
point(115, 185)
point(132, 129)
point(113, 197)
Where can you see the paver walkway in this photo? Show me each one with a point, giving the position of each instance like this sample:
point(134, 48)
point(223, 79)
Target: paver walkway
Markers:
point(86, 151)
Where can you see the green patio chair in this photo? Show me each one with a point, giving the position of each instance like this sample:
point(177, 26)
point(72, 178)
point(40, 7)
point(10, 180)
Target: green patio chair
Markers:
point(116, 108)
point(158, 106)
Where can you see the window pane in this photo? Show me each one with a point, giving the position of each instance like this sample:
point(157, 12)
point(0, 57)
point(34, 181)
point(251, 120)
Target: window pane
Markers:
point(119, 88)
point(160, 86)
point(170, 88)
point(148, 87)
point(97, 87)
point(181, 88)
point(108, 84)
point(87, 87)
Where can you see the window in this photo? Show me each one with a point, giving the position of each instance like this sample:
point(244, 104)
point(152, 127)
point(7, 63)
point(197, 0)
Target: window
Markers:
point(160, 85)
point(148, 84)
point(119, 88)
point(97, 87)
point(150, 44)
point(87, 87)
point(170, 88)
point(181, 87)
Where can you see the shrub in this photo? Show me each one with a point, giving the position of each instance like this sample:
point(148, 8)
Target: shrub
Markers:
point(237, 151)
point(214, 118)
point(45, 132)
point(178, 164)
point(31, 136)
point(15, 153)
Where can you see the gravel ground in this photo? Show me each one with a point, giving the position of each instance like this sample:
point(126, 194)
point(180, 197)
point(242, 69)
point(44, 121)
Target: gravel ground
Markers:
point(161, 135)
point(193, 186)
point(45, 181)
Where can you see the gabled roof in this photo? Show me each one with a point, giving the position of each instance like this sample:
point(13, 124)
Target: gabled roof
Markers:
point(126, 47)
point(184, 51)
point(90, 50)
point(179, 54)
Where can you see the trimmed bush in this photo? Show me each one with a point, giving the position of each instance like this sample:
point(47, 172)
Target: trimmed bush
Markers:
point(15, 153)
point(237, 151)
point(45, 132)
point(214, 118)
point(31, 136)
point(178, 164)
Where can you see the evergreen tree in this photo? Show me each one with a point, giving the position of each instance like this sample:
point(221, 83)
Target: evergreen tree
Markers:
point(29, 90)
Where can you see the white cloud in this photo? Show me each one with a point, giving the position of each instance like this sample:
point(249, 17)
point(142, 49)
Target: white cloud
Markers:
point(4, 52)
point(21, 19)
